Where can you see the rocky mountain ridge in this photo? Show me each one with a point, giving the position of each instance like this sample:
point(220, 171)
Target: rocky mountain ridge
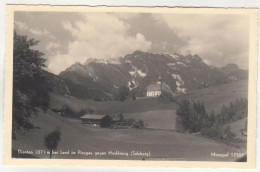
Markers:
point(139, 69)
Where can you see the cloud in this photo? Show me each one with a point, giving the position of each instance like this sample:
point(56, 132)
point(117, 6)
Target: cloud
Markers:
point(52, 45)
point(60, 62)
point(39, 32)
point(48, 29)
point(218, 39)
point(68, 37)
point(20, 25)
point(35, 31)
point(156, 30)
point(98, 35)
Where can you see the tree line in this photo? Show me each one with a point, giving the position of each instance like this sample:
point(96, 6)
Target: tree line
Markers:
point(192, 116)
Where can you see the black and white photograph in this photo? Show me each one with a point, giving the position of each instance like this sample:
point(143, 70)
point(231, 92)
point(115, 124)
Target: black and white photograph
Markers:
point(122, 85)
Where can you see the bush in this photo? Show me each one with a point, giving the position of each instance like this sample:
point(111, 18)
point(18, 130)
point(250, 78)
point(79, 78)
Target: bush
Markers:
point(91, 111)
point(65, 111)
point(178, 125)
point(228, 134)
point(123, 92)
point(52, 140)
point(193, 116)
point(130, 121)
point(80, 113)
point(139, 124)
point(133, 97)
point(121, 117)
point(211, 133)
point(68, 112)
point(98, 99)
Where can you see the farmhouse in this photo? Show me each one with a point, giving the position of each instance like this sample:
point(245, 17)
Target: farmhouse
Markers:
point(93, 120)
point(155, 90)
point(96, 120)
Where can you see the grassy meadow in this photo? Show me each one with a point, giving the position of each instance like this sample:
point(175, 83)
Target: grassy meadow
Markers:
point(236, 128)
point(158, 119)
point(111, 106)
point(161, 144)
point(215, 97)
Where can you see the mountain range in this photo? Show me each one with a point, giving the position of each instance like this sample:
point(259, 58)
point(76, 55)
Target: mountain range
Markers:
point(98, 78)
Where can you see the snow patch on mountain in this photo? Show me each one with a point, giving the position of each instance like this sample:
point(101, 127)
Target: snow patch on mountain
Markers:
point(140, 73)
point(188, 61)
point(176, 77)
point(180, 63)
point(67, 89)
point(171, 64)
point(179, 83)
point(131, 85)
point(136, 72)
point(174, 56)
point(132, 73)
point(115, 86)
point(91, 73)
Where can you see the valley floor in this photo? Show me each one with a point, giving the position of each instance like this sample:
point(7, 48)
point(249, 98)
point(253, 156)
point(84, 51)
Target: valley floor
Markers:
point(159, 144)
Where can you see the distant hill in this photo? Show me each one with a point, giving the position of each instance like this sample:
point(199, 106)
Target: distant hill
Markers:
point(233, 72)
point(216, 96)
point(139, 69)
point(83, 90)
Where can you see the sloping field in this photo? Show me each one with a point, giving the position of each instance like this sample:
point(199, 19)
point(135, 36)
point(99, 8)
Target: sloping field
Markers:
point(237, 127)
point(157, 119)
point(215, 97)
point(76, 137)
point(112, 106)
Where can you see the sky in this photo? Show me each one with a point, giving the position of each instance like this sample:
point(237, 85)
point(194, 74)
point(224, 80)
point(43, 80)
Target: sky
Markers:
point(66, 37)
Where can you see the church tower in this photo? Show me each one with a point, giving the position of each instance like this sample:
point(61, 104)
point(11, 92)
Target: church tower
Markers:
point(159, 82)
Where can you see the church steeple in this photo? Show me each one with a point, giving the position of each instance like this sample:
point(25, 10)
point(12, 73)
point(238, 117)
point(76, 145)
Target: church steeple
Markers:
point(159, 81)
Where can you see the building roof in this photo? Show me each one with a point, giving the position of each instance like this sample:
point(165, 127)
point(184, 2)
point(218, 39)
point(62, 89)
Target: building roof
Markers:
point(154, 87)
point(92, 116)
point(158, 87)
point(166, 88)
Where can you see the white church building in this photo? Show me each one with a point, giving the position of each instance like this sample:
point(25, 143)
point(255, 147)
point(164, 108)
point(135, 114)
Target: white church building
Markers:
point(155, 90)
